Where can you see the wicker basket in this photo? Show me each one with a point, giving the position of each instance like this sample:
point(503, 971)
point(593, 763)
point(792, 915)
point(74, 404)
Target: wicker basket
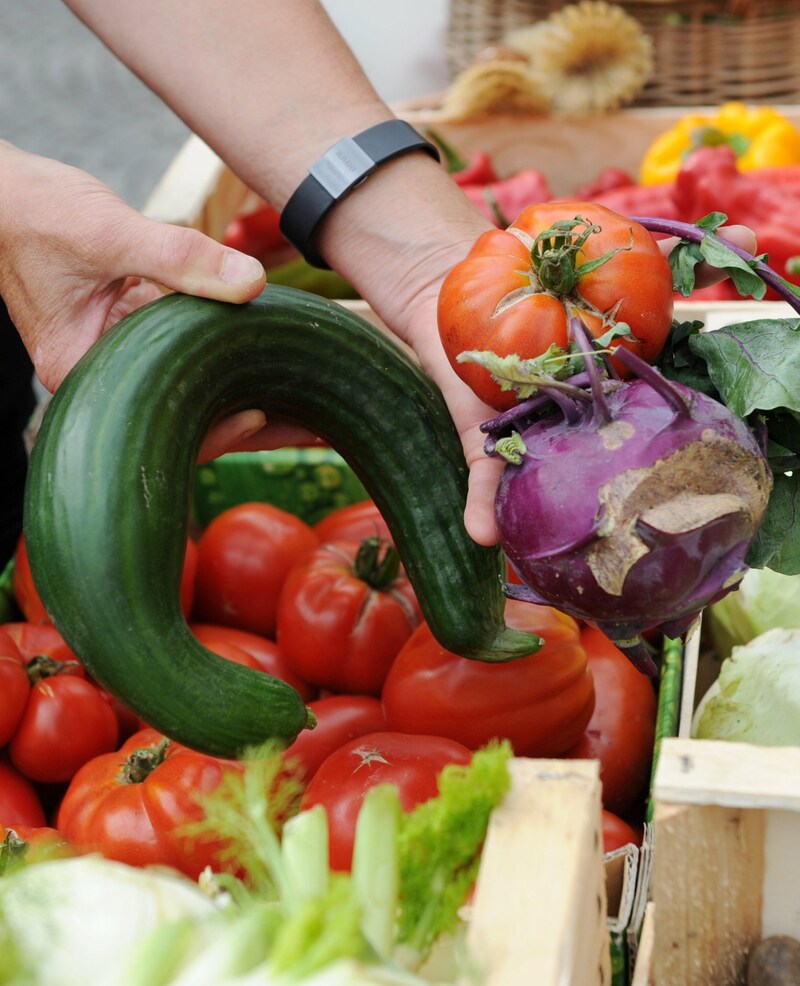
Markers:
point(706, 51)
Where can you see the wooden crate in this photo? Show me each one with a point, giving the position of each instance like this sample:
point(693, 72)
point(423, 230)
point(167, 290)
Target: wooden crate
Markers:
point(540, 909)
point(726, 862)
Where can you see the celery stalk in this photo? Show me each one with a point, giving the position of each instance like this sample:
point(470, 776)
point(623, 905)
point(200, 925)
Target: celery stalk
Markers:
point(375, 867)
point(304, 848)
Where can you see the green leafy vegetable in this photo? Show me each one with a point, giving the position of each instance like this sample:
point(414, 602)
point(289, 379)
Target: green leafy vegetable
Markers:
point(756, 698)
point(755, 366)
point(777, 542)
point(688, 254)
point(765, 600)
point(440, 845)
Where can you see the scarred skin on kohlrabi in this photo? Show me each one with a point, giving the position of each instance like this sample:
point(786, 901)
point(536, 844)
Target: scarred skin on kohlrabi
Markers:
point(633, 513)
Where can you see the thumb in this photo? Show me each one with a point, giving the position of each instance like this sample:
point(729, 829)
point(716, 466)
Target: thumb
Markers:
point(188, 261)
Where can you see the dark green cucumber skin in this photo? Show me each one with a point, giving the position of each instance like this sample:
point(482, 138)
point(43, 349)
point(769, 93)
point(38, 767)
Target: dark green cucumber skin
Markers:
point(110, 481)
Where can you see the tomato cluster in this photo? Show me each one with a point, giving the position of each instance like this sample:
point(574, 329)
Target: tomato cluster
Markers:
point(330, 610)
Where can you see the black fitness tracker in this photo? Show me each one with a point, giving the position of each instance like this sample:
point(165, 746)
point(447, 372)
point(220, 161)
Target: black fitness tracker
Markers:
point(341, 169)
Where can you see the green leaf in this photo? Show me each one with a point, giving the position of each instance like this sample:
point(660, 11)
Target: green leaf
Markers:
point(784, 436)
point(712, 221)
point(683, 259)
point(754, 365)
point(677, 361)
point(512, 448)
point(777, 543)
point(739, 270)
point(619, 330)
point(521, 375)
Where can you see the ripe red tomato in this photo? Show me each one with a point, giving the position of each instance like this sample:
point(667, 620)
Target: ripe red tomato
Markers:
point(345, 611)
point(540, 703)
point(131, 804)
point(618, 833)
point(19, 800)
point(340, 719)
point(244, 556)
point(621, 732)
point(14, 687)
point(354, 522)
point(34, 843)
point(265, 653)
point(412, 763)
point(25, 592)
point(40, 639)
point(66, 722)
point(499, 299)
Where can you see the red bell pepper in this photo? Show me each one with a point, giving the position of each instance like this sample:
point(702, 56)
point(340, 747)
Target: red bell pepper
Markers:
point(502, 201)
point(640, 200)
point(709, 181)
point(477, 169)
point(609, 179)
point(256, 233)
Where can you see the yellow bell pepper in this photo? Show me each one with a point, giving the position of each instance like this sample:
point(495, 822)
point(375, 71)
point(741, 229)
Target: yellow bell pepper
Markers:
point(760, 137)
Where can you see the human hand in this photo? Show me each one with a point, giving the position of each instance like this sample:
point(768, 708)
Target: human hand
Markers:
point(415, 314)
point(76, 259)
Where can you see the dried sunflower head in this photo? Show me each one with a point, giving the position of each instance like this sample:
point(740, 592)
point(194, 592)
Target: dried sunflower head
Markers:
point(588, 57)
point(497, 81)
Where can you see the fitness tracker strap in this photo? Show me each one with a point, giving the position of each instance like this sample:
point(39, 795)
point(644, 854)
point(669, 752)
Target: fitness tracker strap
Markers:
point(341, 169)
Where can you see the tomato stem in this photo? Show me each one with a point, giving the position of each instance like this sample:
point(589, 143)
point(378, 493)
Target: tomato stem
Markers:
point(142, 762)
point(555, 250)
point(377, 563)
point(43, 666)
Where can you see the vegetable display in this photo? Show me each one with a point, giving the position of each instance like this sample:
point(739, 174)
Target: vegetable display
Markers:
point(125, 529)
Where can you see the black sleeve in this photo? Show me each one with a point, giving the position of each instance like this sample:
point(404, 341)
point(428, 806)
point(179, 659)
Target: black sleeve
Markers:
point(17, 401)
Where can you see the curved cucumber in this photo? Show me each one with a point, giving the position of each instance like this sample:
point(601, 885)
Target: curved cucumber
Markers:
point(110, 481)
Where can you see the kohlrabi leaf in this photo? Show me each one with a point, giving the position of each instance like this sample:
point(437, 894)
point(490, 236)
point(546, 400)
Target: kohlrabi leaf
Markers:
point(521, 375)
point(754, 365)
point(686, 255)
point(677, 361)
point(777, 542)
point(783, 445)
point(740, 271)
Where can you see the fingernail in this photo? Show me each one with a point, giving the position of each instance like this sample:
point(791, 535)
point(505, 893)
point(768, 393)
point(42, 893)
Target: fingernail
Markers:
point(239, 268)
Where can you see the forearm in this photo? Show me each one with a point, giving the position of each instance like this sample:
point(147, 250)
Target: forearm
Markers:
point(268, 84)
point(271, 85)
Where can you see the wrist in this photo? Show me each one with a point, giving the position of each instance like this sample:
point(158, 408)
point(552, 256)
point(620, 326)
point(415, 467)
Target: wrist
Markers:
point(399, 234)
point(339, 172)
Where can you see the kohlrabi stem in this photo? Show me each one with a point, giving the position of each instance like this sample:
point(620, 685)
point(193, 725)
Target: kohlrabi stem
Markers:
point(583, 340)
point(567, 404)
point(696, 234)
point(508, 420)
point(660, 384)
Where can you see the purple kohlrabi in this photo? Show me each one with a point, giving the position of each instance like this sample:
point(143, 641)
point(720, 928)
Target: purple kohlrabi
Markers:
point(631, 505)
